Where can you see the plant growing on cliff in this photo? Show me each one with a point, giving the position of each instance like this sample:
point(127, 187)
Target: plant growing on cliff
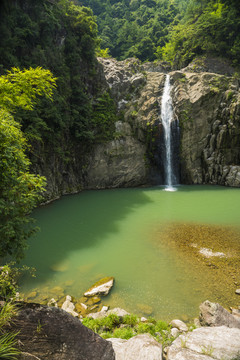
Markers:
point(20, 190)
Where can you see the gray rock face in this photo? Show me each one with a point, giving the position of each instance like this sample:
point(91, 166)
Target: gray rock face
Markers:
point(123, 77)
point(207, 106)
point(49, 333)
point(205, 344)
point(119, 163)
point(140, 347)
point(212, 314)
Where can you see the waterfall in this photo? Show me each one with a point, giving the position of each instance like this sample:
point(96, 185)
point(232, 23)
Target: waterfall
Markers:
point(167, 117)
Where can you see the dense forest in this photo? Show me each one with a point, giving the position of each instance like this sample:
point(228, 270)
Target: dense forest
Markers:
point(60, 37)
point(176, 30)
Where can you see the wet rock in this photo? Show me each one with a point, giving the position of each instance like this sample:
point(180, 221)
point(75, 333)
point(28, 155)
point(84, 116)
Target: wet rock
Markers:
point(206, 343)
point(60, 337)
point(101, 287)
point(89, 301)
point(52, 302)
point(81, 308)
point(140, 347)
point(68, 306)
point(104, 308)
point(179, 324)
point(213, 314)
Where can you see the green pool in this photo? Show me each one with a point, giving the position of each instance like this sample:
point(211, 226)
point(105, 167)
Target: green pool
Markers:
point(122, 233)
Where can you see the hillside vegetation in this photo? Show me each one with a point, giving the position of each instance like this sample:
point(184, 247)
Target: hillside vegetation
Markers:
point(172, 30)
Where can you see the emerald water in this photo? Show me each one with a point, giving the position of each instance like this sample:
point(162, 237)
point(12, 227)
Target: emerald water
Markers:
point(120, 233)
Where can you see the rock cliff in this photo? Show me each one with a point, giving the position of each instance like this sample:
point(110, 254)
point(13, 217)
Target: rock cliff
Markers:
point(206, 106)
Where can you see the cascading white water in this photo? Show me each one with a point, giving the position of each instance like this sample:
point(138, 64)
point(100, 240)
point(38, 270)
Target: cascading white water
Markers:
point(167, 117)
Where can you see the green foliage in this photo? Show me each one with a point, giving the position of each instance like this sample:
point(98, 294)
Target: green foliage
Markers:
point(20, 190)
point(135, 28)
point(9, 277)
point(62, 37)
point(208, 27)
point(146, 328)
point(131, 320)
point(22, 88)
point(103, 53)
point(7, 286)
point(123, 333)
point(104, 117)
point(8, 347)
point(128, 326)
point(8, 342)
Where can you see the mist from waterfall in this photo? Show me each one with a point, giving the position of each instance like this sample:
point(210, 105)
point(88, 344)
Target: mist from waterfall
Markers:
point(167, 117)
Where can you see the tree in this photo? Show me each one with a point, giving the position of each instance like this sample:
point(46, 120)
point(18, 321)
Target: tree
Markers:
point(20, 190)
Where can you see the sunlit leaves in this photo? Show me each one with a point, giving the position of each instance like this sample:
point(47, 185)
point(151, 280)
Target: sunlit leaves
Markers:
point(19, 189)
point(21, 88)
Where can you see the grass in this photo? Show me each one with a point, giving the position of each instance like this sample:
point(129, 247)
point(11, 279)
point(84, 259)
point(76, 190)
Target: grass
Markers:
point(128, 326)
point(8, 342)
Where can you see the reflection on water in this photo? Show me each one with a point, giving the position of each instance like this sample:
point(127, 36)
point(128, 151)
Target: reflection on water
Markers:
point(141, 237)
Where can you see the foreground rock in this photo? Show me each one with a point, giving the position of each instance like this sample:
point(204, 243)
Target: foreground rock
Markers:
point(101, 287)
point(140, 347)
point(49, 333)
point(212, 314)
point(205, 344)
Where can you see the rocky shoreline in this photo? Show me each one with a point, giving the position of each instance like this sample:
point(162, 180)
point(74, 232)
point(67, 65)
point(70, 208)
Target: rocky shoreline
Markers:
point(49, 333)
point(55, 331)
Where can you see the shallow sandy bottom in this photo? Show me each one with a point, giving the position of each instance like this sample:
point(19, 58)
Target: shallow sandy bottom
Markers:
point(212, 250)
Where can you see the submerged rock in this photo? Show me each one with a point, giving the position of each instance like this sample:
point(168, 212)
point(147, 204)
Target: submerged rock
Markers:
point(145, 309)
point(101, 287)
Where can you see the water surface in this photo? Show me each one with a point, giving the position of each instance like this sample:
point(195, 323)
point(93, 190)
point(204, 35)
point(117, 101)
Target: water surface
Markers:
point(121, 233)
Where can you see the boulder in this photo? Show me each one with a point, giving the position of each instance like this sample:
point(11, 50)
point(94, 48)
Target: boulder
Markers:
point(213, 314)
point(101, 287)
point(49, 333)
point(140, 347)
point(179, 324)
point(206, 343)
point(68, 306)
